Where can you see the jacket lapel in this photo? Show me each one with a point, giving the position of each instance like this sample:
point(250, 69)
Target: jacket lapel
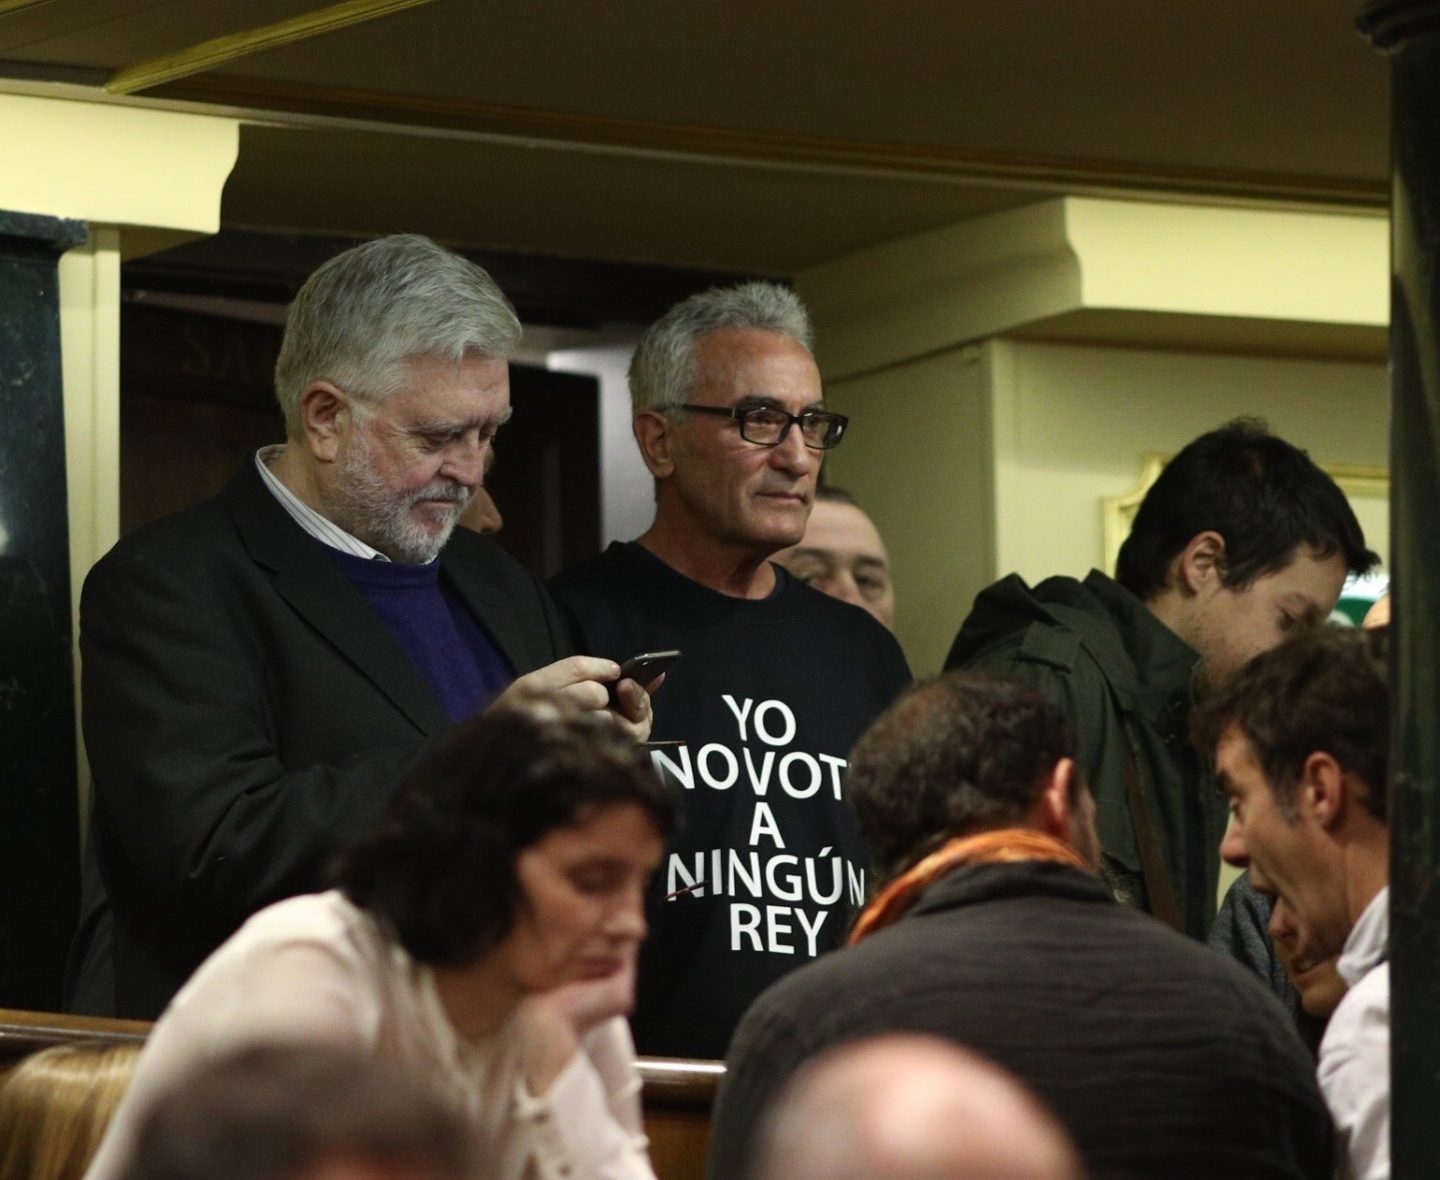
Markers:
point(467, 569)
point(324, 598)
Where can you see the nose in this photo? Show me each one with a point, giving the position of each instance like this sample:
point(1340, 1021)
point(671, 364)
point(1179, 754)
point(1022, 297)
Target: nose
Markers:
point(627, 920)
point(1281, 925)
point(482, 515)
point(791, 453)
point(1232, 845)
point(486, 512)
point(844, 587)
point(465, 461)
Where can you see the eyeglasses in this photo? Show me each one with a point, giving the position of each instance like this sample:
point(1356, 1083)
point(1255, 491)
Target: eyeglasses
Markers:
point(767, 427)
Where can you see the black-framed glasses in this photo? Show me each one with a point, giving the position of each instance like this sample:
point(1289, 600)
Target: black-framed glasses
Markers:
point(767, 426)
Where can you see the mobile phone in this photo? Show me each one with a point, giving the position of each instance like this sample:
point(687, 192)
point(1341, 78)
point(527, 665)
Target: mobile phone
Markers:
point(643, 668)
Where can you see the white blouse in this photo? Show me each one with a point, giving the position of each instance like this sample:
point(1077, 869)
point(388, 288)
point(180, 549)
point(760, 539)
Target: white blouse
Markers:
point(318, 968)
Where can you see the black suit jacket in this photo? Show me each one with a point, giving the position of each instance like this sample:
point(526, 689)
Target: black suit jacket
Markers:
point(245, 713)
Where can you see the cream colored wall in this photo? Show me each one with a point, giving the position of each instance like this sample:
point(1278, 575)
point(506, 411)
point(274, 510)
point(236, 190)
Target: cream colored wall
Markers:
point(918, 458)
point(1222, 277)
point(158, 174)
point(1074, 423)
point(921, 342)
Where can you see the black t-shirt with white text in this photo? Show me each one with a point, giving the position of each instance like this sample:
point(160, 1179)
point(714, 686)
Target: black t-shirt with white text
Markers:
point(767, 868)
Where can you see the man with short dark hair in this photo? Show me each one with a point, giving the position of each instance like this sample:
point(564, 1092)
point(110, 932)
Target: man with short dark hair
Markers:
point(775, 680)
point(1241, 540)
point(990, 928)
point(1302, 748)
point(843, 555)
point(260, 670)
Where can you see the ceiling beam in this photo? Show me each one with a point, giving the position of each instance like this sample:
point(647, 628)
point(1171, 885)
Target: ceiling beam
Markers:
point(206, 55)
point(300, 102)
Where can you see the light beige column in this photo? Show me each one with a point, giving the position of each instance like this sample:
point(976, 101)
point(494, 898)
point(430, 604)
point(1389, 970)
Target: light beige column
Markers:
point(90, 358)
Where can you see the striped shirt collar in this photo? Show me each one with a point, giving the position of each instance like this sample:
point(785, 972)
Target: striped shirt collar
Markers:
point(317, 526)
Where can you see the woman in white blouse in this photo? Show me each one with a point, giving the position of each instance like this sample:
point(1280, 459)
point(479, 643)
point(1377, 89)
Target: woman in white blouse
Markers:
point(484, 935)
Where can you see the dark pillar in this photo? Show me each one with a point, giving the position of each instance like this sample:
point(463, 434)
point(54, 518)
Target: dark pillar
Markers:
point(1408, 31)
point(38, 829)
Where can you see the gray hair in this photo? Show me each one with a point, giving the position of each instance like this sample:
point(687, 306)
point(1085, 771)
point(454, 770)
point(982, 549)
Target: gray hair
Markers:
point(662, 371)
point(367, 311)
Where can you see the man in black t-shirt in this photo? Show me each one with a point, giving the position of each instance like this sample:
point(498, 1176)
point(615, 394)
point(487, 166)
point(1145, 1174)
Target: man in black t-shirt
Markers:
point(776, 681)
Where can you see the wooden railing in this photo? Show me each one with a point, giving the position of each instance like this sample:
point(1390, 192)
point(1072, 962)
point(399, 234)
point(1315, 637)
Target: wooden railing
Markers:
point(678, 1093)
point(23, 1033)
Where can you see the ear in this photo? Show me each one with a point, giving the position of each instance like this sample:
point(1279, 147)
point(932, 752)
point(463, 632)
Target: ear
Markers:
point(1322, 791)
point(1200, 565)
point(652, 434)
point(325, 416)
point(1053, 812)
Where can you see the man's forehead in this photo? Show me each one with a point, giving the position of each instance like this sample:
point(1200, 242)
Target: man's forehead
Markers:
point(1234, 755)
point(451, 410)
point(473, 375)
point(835, 525)
point(1308, 581)
point(446, 403)
point(736, 364)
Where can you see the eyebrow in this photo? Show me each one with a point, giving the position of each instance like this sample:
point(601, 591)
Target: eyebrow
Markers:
point(824, 555)
point(451, 426)
point(764, 401)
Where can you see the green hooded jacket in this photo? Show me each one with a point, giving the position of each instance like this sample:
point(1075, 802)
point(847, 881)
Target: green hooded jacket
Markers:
point(1127, 683)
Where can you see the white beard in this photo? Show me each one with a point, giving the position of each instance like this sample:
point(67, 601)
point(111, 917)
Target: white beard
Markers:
point(383, 518)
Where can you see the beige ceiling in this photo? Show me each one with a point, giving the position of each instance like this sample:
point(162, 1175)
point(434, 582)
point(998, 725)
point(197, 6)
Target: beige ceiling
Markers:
point(754, 136)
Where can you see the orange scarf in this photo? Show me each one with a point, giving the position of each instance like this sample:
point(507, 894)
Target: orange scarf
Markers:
point(998, 847)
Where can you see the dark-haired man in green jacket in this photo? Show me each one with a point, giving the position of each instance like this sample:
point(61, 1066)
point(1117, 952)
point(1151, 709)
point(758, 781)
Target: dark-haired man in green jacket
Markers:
point(1241, 540)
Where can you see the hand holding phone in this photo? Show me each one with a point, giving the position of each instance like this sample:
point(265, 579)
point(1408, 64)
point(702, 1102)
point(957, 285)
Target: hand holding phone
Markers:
point(643, 669)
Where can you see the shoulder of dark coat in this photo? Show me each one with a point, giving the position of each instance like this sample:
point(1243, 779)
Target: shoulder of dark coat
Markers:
point(1050, 624)
point(485, 557)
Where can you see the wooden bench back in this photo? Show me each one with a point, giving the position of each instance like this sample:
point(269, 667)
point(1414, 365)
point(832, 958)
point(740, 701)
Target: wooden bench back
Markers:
point(678, 1094)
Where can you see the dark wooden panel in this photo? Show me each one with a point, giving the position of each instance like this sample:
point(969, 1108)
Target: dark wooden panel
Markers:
point(39, 850)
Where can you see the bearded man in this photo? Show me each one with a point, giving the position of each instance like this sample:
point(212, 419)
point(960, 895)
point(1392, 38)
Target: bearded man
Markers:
point(261, 669)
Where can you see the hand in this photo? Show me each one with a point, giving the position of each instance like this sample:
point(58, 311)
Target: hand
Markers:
point(552, 1023)
point(632, 706)
point(584, 680)
point(594, 1001)
point(579, 679)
